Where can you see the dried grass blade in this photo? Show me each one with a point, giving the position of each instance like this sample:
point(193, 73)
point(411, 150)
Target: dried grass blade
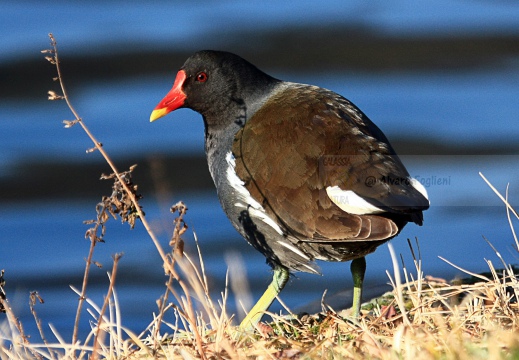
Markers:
point(500, 196)
point(510, 218)
point(465, 271)
point(398, 284)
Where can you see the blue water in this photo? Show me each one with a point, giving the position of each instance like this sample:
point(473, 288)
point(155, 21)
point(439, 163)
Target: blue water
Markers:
point(103, 26)
point(461, 108)
point(45, 240)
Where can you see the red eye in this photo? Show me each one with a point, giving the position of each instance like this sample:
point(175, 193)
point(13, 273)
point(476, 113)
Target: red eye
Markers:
point(201, 77)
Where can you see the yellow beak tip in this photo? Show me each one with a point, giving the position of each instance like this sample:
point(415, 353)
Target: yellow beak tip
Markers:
point(157, 114)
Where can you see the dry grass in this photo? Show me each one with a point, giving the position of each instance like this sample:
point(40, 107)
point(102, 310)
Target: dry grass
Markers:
point(444, 321)
point(473, 321)
point(422, 318)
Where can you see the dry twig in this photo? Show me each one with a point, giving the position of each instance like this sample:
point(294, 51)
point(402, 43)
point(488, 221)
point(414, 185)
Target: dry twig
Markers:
point(126, 190)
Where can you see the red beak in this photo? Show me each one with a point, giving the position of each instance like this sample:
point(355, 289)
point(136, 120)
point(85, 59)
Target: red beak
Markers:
point(173, 100)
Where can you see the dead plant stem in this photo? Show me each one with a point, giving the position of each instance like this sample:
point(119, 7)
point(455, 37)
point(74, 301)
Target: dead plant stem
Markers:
point(33, 297)
point(95, 354)
point(82, 297)
point(168, 265)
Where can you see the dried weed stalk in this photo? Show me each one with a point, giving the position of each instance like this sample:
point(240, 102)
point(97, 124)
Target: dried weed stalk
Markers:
point(123, 202)
point(99, 334)
point(118, 203)
point(34, 298)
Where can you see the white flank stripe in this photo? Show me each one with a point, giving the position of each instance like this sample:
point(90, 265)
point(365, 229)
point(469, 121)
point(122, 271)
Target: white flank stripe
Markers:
point(418, 186)
point(350, 202)
point(260, 214)
point(294, 249)
point(255, 208)
point(310, 268)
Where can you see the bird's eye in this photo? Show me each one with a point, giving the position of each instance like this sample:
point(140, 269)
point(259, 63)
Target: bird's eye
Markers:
point(201, 77)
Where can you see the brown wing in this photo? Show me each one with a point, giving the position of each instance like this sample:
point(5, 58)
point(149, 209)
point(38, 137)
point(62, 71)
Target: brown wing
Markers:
point(305, 139)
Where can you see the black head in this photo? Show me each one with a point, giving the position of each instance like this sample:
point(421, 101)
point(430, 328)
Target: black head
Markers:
point(215, 84)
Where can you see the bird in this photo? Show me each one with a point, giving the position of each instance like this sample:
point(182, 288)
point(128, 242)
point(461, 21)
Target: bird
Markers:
point(300, 171)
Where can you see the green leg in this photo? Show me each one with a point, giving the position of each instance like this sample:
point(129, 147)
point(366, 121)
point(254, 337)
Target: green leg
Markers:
point(279, 280)
point(358, 269)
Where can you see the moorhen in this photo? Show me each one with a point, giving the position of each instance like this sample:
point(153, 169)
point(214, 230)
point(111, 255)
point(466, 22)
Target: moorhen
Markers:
point(300, 171)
